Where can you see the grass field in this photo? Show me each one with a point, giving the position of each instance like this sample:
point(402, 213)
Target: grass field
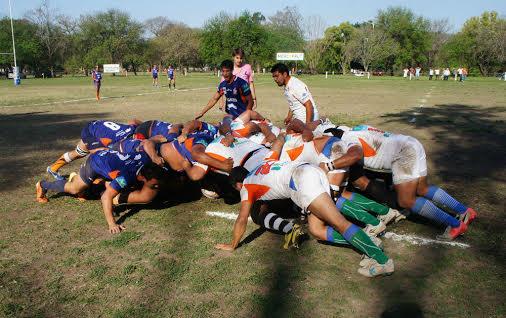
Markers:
point(57, 260)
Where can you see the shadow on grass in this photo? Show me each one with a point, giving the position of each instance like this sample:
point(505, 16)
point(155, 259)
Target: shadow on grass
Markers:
point(28, 139)
point(468, 150)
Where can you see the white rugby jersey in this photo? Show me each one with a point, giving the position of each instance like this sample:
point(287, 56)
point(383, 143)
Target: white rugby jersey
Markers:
point(269, 181)
point(243, 151)
point(379, 147)
point(297, 93)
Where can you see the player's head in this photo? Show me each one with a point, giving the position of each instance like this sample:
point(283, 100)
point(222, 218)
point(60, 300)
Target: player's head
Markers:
point(96, 67)
point(238, 56)
point(226, 69)
point(237, 176)
point(280, 74)
point(151, 174)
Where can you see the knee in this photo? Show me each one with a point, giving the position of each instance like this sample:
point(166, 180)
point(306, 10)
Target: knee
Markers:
point(406, 202)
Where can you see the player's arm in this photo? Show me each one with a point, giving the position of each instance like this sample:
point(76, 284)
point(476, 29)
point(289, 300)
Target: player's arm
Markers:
point(253, 94)
point(269, 136)
point(106, 200)
point(193, 172)
point(353, 155)
point(239, 227)
point(198, 153)
point(149, 148)
point(209, 105)
point(135, 122)
point(277, 146)
point(188, 128)
point(309, 111)
point(288, 117)
point(298, 126)
point(249, 101)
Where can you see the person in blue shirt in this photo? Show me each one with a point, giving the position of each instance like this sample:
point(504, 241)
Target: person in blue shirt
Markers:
point(236, 91)
point(154, 74)
point(121, 171)
point(171, 76)
point(157, 130)
point(95, 135)
point(97, 80)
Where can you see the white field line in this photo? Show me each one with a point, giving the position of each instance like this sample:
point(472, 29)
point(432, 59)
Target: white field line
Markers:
point(105, 97)
point(411, 239)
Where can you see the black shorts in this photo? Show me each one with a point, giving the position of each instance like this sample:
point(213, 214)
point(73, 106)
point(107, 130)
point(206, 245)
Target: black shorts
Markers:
point(86, 172)
point(284, 208)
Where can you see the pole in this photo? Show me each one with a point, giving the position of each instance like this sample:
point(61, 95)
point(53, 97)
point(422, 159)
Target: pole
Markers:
point(16, 71)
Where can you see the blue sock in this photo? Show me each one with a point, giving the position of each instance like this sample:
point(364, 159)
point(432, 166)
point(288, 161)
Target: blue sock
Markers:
point(440, 196)
point(57, 186)
point(427, 209)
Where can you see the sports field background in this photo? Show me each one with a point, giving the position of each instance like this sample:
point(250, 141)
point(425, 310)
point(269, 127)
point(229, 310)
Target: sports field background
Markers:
point(57, 259)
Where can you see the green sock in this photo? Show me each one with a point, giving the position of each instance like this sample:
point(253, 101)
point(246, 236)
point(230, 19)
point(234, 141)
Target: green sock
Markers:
point(355, 211)
point(356, 237)
point(369, 204)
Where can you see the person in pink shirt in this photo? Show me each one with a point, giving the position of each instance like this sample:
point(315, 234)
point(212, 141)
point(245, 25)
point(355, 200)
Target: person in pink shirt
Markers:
point(243, 71)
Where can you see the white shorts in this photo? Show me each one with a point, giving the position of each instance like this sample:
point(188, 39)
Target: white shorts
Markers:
point(306, 184)
point(410, 162)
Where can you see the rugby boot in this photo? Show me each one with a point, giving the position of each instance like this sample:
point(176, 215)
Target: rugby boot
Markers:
point(373, 268)
point(40, 194)
point(452, 233)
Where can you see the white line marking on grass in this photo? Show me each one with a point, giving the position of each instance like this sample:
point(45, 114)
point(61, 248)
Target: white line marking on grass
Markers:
point(412, 239)
point(417, 240)
point(105, 97)
point(223, 215)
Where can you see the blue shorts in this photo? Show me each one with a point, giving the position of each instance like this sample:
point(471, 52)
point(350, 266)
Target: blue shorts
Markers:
point(89, 139)
point(86, 172)
point(171, 77)
point(155, 76)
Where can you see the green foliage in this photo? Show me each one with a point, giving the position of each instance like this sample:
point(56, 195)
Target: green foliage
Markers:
point(336, 38)
point(28, 48)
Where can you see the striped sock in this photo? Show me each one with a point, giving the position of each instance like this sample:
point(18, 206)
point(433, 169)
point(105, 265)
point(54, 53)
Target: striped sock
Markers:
point(273, 222)
point(356, 212)
point(369, 204)
point(440, 196)
point(429, 210)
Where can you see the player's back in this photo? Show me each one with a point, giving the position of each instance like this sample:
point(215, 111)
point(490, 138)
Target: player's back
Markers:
point(111, 164)
point(111, 130)
point(242, 151)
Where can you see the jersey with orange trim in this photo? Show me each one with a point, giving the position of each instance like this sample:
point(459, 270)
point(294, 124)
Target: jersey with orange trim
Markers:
point(101, 133)
point(295, 149)
point(243, 151)
point(120, 169)
point(379, 147)
point(269, 181)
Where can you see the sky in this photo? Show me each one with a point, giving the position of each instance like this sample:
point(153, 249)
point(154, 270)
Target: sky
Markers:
point(195, 12)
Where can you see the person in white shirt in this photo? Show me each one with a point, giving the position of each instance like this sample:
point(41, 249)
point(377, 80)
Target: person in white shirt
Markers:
point(431, 74)
point(300, 101)
point(405, 72)
point(436, 72)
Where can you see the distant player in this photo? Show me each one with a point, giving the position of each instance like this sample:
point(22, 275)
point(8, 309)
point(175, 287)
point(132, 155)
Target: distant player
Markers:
point(122, 170)
point(96, 135)
point(300, 101)
point(236, 91)
point(97, 80)
point(154, 74)
point(171, 76)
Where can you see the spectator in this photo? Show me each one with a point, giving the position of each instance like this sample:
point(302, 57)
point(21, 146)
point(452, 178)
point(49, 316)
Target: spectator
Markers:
point(464, 74)
point(459, 73)
point(417, 72)
point(411, 72)
point(431, 74)
point(446, 74)
point(436, 72)
point(405, 72)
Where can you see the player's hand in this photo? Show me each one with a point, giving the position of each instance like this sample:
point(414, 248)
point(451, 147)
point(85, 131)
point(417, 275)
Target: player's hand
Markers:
point(228, 140)
point(287, 120)
point(159, 161)
point(224, 247)
point(116, 228)
point(307, 135)
point(254, 104)
point(182, 138)
point(228, 164)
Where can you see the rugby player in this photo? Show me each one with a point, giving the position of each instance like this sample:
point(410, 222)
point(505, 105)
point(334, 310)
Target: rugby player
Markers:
point(157, 130)
point(122, 170)
point(154, 74)
point(405, 157)
point(300, 101)
point(308, 187)
point(95, 136)
point(171, 76)
point(97, 80)
point(236, 91)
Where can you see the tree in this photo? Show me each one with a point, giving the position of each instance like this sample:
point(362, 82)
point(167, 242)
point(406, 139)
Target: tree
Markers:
point(337, 39)
point(156, 25)
point(212, 48)
point(48, 32)
point(439, 35)
point(179, 45)
point(315, 45)
point(411, 33)
point(28, 49)
point(372, 46)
